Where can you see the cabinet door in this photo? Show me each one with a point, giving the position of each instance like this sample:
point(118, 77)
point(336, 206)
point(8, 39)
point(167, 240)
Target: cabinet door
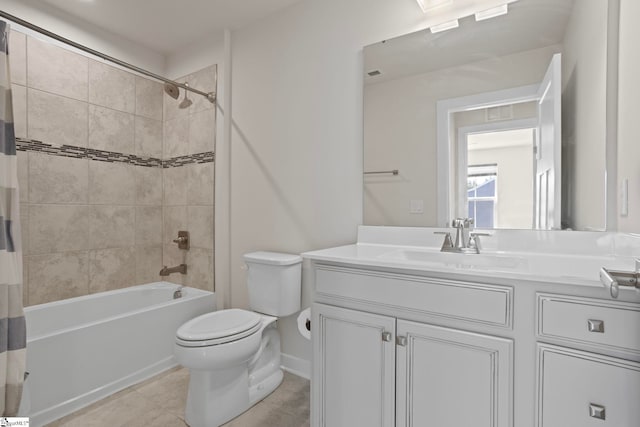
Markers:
point(452, 378)
point(353, 368)
point(580, 389)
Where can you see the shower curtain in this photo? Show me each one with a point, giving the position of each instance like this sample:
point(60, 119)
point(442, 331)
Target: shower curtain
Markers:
point(12, 323)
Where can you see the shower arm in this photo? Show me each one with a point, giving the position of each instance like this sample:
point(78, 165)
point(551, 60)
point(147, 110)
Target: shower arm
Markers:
point(211, 96)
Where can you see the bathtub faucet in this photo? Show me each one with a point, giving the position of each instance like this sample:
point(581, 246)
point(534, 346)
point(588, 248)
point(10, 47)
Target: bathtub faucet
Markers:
point(182, 269)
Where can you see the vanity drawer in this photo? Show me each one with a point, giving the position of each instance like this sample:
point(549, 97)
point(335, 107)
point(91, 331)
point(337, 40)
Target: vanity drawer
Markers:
point(422, 297)
point(606, 325)
point(579, 389)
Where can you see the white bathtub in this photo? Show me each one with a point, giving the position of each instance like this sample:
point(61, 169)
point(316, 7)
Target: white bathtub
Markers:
point(83, 349)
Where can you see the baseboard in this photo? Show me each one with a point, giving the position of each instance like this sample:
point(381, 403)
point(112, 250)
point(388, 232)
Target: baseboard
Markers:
point(296, 365)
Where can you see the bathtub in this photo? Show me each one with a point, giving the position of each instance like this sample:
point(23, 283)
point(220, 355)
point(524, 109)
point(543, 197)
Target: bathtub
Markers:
point(83, 349)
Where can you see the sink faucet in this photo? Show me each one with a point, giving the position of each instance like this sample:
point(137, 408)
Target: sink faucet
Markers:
point(182, 269)
point(466, 242)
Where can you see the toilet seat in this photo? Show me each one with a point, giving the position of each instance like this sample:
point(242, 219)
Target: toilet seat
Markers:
point(218, 327)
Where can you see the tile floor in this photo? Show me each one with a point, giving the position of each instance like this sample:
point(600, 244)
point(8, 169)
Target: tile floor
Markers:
point(160, 401)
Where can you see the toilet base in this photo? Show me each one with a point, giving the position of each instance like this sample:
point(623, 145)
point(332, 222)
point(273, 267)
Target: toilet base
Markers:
point(218, 396)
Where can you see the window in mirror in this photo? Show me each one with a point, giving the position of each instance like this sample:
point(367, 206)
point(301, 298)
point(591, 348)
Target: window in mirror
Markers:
point(500, 176)
point(482, 181)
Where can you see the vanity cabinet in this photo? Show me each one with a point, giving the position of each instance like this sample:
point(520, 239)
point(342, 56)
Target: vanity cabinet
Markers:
point(376, 370)
point(579, 383)
point(582, 389)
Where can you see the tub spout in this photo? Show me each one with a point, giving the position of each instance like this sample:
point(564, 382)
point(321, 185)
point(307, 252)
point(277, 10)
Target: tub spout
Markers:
point(182, 269)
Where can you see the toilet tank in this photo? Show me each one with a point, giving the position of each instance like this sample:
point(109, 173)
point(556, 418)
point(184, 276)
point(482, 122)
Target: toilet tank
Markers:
point(274, 282)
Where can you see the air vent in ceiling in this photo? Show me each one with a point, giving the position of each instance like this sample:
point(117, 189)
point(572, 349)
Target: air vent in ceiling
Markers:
point(374, 73)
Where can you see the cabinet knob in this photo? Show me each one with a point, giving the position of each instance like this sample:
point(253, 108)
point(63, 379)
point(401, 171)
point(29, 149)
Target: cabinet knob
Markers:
point(595, 325)
point(386, 336)
point(401, 341)
point(596, 411)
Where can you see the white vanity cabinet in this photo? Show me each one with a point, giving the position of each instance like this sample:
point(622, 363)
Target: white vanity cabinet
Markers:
point(579, 383)
point(372, 367)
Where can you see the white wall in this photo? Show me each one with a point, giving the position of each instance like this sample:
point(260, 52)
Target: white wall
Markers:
point(296, 178)
point(47, 17)
point(584, 77)
point(629, 112)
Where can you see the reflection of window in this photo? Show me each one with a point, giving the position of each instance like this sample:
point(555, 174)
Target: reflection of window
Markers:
point(481, 194)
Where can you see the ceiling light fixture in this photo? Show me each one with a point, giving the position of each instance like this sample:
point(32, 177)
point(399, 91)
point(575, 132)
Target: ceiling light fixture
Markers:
point(444, 26)
point(427, 5)
point(492, 13)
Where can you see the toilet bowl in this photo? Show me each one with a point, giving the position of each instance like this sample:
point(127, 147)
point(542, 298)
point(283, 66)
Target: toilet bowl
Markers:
point(233, 355)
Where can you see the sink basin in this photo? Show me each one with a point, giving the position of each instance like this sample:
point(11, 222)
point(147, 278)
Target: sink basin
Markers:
point(487, 262)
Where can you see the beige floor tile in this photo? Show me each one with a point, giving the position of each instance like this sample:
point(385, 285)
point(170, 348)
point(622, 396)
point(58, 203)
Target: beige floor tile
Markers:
point(160, 402)
point(169, 391)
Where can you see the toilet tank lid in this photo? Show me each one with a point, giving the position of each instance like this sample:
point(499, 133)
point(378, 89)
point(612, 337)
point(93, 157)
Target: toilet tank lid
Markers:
point(273, 258)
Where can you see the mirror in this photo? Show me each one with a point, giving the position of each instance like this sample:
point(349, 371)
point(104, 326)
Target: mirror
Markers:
point(503, 120)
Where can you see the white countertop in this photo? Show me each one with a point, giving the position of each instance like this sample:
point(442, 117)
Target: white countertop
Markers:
point(580, 270)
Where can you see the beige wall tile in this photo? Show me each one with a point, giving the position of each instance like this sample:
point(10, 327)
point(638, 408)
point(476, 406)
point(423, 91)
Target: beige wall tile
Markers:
point(175, 219)
point(175, 186)
point(112, 227)
point(111, 269)
point(19, 97)
point(24, 227)
point(56, 70)
point(25, 281)
point(148, 225)
point(23, 175)
point(200, 269)
point(111, 130)
point(148, 264)
point(200, 225)
point(200, 184)
point(58, 228)
point(148, 137)
point(112, 183)
point(56, 119)
point(18, 58)
point(56, 179)
point(57, 276)
point(176, 137)
point(111, 87)
point(148, 186)
point(202, 131)
point(149, 98)
point(204, 80)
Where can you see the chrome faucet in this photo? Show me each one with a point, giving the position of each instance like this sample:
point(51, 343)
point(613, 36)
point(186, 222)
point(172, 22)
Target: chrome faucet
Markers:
point(182, 269)
point(466, 242)
point(178, 292)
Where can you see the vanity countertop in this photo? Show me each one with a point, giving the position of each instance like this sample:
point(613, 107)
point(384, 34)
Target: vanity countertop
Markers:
point(571, 258)
point(550, 268)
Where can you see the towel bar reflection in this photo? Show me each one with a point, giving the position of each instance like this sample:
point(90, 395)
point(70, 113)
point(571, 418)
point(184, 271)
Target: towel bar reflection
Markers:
point(392, 172)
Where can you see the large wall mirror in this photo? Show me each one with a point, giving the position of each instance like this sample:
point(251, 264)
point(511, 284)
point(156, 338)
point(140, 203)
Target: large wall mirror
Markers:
point(504, 120)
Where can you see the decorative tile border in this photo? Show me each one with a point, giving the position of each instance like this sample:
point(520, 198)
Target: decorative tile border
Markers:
point(32, 145)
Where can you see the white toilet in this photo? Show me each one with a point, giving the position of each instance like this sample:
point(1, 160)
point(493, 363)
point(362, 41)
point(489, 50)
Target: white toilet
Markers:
point(233, 355)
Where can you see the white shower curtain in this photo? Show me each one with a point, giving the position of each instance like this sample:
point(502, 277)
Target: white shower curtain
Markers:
point(12, 323)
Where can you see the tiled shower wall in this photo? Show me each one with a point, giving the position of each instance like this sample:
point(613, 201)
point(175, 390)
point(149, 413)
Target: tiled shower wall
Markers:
point(91, 172)
point(189, 141)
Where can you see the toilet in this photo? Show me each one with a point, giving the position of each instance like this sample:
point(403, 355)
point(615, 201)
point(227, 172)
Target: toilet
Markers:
point(233, 355)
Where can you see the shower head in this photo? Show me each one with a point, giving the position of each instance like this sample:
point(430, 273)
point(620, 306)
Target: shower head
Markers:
point(172, 90)
point(186, 102)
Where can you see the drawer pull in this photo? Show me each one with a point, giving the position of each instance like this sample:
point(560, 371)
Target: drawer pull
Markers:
point(596, 411)
point(595, 325)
